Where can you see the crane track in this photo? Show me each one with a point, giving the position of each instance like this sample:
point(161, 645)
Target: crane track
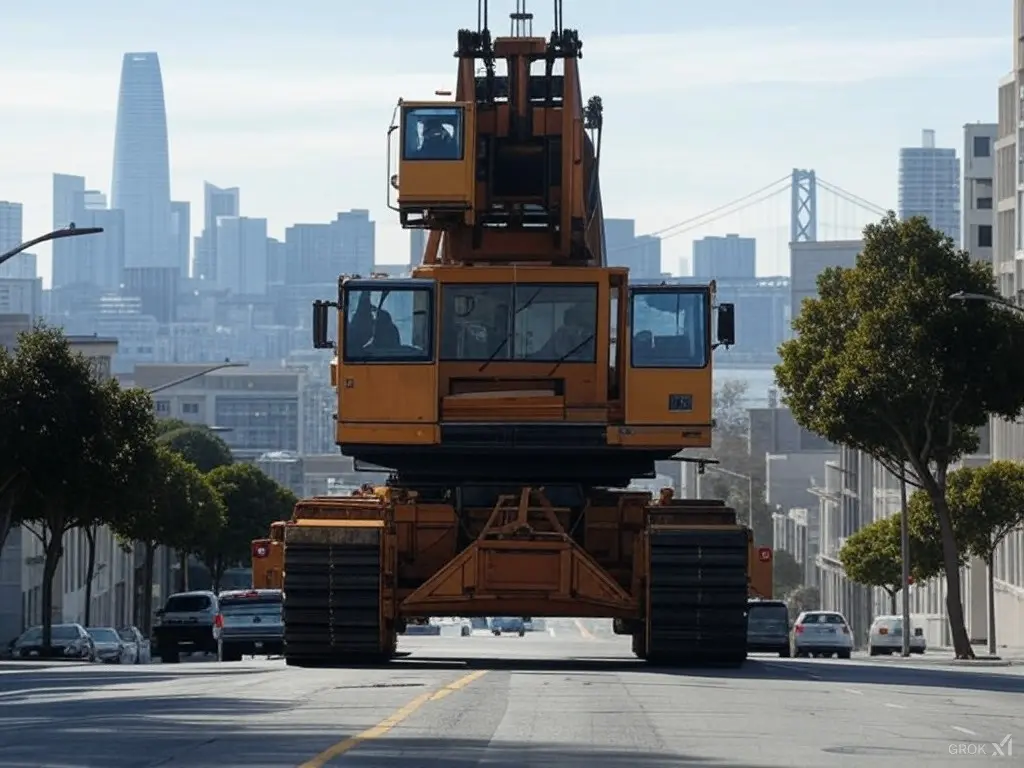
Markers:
point(697, 597)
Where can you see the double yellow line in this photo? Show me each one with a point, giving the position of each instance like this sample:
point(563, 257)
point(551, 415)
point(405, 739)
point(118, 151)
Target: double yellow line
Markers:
point(381, 728)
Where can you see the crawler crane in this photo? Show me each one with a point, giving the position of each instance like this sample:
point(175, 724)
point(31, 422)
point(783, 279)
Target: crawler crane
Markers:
point(512, 387)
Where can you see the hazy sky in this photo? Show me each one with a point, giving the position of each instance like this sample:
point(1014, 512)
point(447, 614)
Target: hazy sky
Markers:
point(704, 102)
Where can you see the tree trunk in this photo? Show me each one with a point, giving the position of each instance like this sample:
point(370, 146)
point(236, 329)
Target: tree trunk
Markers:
point(183, 565)
point(892, 600)
point(990, 572)
point(951, 565)
point(90, 571)
point(147, 589)
point(217, 573)
point(53, 549)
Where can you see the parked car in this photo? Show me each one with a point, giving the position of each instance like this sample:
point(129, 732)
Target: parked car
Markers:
point(768, 627)
point(137, 644)
point(67, 641)
point(186, 623)
point(886, 636)
point(508, 625)
point(250, 622)
point(110, 648)
point(822, 634)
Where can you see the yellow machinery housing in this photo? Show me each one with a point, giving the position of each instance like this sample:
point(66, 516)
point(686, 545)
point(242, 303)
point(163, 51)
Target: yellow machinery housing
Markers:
point(510, 387)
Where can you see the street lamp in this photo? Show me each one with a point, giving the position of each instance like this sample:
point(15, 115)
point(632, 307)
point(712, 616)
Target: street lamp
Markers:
point(195, 375)
point(70, 231)
point(738, 476)
point(965, 296)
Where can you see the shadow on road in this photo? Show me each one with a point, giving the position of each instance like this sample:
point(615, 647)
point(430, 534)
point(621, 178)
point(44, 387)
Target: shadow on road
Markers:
point(14, 685)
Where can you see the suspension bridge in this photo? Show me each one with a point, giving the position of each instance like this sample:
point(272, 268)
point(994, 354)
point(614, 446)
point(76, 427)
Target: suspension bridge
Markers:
point(799, 208)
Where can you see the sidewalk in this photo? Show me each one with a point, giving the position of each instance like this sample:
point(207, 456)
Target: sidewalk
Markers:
point(1005, 657)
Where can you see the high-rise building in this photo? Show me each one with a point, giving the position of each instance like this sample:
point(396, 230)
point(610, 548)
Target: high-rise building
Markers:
point(929, 185)
point(354, 242)
point(645, 263)
point(97, 260)
point(977, 208)
point(11, 236)
point(722, 257)
point(217, 202)
point(181, 235)
point(141, 184)
point(242, 255)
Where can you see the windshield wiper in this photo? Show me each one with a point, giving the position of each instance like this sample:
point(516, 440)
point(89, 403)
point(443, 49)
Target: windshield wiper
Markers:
point(570, 353)
point(504, 342)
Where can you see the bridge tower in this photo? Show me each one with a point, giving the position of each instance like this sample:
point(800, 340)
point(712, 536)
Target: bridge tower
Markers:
point(803, 225)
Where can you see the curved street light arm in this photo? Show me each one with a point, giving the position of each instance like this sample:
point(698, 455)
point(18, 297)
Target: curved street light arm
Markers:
point(58, 234)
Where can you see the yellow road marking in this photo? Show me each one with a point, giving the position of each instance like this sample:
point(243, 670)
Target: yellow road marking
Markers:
point(587, 634)
point(381, 728)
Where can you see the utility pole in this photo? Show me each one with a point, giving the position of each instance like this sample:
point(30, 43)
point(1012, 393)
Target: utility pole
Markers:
point(905, 557)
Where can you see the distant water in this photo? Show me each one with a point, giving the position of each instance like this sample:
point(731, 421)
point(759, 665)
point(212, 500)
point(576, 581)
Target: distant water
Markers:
point(759, 381)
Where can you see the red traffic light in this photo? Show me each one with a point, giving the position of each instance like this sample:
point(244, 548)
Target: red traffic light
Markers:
point(764, 554)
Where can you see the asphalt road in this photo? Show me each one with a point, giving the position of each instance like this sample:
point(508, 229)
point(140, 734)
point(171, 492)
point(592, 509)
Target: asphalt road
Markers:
point(571, 696)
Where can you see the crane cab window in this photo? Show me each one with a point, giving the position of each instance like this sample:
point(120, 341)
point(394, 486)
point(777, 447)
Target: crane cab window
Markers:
point(529, 322)
point(670, 327)
point(388, 325)
point(433, 133)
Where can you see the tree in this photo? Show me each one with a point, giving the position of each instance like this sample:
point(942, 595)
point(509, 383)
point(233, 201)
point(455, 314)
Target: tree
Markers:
point(787, 573)
point(987, 505)
point(803, 599)
point(871, 557)
point(252, 501)
point(60, 422)
point(884, 362)
point(174, 506)
point(122, 453)
point(199, 445)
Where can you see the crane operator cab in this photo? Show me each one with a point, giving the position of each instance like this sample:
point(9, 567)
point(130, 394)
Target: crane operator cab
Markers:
point(435, 171)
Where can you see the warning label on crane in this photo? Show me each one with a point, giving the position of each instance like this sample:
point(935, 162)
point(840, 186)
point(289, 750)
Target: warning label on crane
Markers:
point(260, 550)
point(764, 554)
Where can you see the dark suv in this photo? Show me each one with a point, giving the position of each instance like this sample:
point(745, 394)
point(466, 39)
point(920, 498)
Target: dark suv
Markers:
point(768, 627)
point(187, 622)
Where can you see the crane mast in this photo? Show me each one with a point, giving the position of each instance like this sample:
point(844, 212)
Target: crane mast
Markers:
point(524, 187)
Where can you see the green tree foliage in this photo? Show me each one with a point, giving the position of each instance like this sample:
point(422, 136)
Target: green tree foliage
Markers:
point(174, 506)
point(252, 501)
point(884, 362)
point(56, 435)
point(199, 445)
point(873, 556)
point(787, 573)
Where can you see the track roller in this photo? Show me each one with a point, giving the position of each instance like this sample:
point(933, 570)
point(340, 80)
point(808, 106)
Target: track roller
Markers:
point(697, 598)
point(332, 597)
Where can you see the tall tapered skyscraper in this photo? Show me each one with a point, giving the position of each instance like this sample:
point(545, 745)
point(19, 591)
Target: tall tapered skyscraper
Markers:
point(141, 184)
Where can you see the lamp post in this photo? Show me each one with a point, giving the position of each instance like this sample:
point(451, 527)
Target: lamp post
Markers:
point(58, 234)
point(738, 476)
point(998, 300)
point(195, 375)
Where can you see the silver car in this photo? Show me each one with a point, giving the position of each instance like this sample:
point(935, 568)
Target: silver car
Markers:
point(822, 634)
point(110, 648)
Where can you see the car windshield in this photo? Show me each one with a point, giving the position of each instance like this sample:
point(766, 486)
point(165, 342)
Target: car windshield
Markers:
point(127, 635)
point(767, 614)
point(103, 635)
point(187, 604)
point(823, 618)
point(265, 605)
point(61, 632)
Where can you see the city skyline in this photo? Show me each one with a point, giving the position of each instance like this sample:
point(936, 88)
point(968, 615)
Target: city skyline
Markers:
point(305, 139)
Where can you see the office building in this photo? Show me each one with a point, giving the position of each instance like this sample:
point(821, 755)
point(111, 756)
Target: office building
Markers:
point(23, 265)
point(730, 256)
point(181, 235)
point(242, 255)
point(977, 207)
point(141, 179)
point(417, 245)
point(217, 202)
point(929, 185)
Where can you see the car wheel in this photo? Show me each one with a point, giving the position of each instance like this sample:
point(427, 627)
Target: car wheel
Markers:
point(843, 655)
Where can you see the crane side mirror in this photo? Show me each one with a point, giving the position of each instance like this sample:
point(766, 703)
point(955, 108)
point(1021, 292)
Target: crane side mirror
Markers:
point(726, 325)
point(320, 324)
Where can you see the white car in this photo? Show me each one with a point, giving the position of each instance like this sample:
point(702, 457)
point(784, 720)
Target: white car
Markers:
point(822, 634)
point(886, 637)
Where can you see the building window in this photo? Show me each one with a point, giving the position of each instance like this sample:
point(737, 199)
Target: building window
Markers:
point(982, 146)
point(163, 406)
point(984, 204)
point(192, 408)
point(985, 236)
